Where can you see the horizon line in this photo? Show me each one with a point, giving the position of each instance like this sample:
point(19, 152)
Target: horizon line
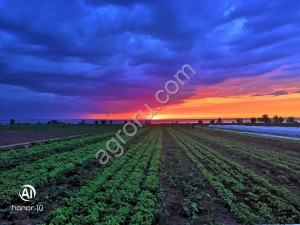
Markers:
point(225, 118)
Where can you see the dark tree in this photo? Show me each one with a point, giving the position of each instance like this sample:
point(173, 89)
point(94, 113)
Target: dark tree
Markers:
point(53, 122)
point(103, 121)
point(125, 121)
point(290, 120)
point(212, 121)
point(12, 122)
point(239, 120)
point(275, 119)
point(253, 120)
point(281, 120)
point(220, 120)
point(110, 121)
point(200, 122)
point(265, 118)
point(96, 122)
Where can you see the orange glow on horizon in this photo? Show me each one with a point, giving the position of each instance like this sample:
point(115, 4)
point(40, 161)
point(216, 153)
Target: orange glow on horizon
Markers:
point(242, 97)
point(233, 107)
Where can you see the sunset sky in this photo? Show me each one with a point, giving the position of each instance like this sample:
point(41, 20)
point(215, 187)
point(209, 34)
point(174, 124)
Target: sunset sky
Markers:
point(106, 59)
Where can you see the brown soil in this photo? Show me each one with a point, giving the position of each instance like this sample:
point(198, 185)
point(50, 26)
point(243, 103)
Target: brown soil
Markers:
point(272, 174)
point(262, 142)
point(177, 169)
point(26, 137)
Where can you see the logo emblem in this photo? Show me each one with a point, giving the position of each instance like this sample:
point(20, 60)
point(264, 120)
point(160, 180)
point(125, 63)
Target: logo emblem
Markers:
point(28, 193)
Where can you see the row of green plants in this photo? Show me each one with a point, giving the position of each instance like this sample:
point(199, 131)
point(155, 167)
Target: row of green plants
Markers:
point(14, 157)
point(195, 203)
point(289, 164)
point(47, 170)
point(287, 157)
point(48, 145)
point(43, 171)
point(251, 198)
point(123, 192)
point(144, 210)
point(282, 174)
point(215, 153)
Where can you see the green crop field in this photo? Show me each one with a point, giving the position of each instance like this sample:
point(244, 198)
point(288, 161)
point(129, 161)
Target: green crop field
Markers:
point(168, 174)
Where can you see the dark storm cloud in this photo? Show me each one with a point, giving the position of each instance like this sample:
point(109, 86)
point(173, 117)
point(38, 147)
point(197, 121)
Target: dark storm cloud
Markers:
point(110, 56)
point(276, 93)
point(115, 2)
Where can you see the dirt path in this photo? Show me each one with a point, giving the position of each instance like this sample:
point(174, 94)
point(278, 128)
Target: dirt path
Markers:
point(183, 184)
point(25, 144)
point(17, 137)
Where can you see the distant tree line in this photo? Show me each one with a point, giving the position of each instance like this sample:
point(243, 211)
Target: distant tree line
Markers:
point(276, 119)
point(54, 122)
point(103, 121)
point(263, 119)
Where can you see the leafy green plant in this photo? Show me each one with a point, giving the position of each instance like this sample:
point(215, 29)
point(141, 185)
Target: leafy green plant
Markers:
point(116, 189)
point(231, 180)
point(190, 208)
